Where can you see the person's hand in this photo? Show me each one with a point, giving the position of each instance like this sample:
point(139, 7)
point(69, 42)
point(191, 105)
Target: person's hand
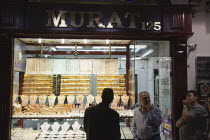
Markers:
point(186, 102)
point(149, 107)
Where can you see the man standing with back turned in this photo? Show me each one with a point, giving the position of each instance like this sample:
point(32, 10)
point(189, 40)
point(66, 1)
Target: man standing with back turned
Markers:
point(100, 121)
point(147, 119)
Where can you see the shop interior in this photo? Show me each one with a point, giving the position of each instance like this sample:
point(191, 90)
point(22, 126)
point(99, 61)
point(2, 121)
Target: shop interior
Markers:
point(56, 79)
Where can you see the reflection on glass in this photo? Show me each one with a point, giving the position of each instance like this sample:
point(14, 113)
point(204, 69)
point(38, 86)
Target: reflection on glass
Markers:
point(152, 67)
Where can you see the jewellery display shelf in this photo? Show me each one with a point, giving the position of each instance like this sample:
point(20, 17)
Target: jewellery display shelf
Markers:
point(41, 84)
point(75, 85)
point(67, 128)
point(60, 111)
point(56, 84)
point(116, 82)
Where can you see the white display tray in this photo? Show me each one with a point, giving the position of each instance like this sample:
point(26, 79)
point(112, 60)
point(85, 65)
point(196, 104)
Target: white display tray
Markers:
point(56, 116)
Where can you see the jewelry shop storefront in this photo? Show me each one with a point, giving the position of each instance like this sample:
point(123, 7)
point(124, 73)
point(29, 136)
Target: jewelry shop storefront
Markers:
point(56, 60)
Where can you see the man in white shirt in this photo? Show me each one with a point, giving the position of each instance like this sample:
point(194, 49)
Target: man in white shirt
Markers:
point(147, 119)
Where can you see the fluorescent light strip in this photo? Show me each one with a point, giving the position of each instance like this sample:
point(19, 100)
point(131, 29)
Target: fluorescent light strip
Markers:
point(147, 53)
point(85, 41)
point(106, 47)
point(138, 58)
point(46, 55)
point(54, 49)
point(68, 47)
point(167, 59)
point(138, 46)
point(62, 41)
point(97, 50)
point(141, 46)
point(107, 41)
point(40, 40)
point(131, 58)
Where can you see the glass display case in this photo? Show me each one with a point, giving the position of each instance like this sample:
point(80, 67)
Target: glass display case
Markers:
point(58, 129)
point(52, 107)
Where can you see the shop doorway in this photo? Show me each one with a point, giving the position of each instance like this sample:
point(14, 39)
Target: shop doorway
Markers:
point(153, 68)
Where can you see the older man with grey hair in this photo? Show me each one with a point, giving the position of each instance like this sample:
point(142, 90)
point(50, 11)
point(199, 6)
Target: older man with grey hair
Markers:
point(147, 119)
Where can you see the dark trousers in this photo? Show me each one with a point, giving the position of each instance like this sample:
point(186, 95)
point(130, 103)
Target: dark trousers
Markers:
point(155, 137)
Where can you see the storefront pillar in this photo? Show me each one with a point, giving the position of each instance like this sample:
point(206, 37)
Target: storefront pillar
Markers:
point(5, 86)
point(179, 80)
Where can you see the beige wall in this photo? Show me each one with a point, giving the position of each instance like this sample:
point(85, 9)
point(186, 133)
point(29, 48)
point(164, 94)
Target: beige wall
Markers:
point(201, 37)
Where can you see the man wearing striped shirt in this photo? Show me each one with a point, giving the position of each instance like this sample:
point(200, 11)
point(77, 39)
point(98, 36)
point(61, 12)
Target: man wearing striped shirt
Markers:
point(147, 119)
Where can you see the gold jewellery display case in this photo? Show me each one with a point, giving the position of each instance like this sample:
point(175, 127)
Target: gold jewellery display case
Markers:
point(51, 107)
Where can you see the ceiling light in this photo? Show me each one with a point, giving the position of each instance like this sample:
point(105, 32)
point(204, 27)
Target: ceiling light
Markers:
point(136, 58)
point(167, 59)
point(123, 58)
point(180, 51)
point(85, 41)
point(106, 47)
point(138, 46)
point(54, 49)
point(97, 50)
point(62, 41)
point(40, 40)
point(141, 46)
point(107, 41)
point(68, 47)
point(147, 52)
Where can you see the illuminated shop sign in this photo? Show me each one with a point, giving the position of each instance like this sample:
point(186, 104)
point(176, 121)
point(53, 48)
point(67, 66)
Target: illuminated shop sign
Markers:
point(99, 20)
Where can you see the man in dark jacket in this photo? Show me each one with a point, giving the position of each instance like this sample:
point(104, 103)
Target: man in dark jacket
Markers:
point(100, 121)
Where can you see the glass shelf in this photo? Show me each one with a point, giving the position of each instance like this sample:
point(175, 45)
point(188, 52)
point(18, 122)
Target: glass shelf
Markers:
point(70, 128)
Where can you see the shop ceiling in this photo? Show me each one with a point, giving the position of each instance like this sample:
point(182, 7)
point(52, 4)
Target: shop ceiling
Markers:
point(86, 48)
point(73, 41)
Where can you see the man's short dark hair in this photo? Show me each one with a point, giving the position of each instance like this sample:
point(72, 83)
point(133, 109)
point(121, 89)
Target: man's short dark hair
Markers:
point(107, 95)
point(193, 92)
point(143, 92)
